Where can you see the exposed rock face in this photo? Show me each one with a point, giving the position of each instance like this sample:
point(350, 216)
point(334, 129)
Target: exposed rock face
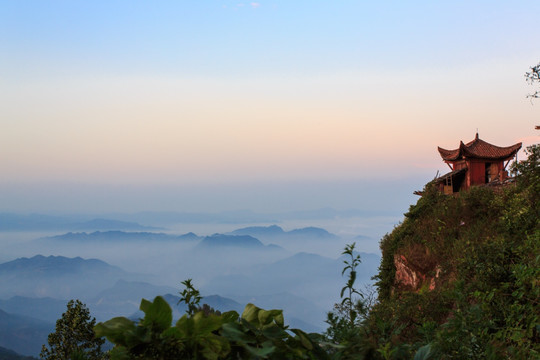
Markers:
point(415, 271)
point(405, 276)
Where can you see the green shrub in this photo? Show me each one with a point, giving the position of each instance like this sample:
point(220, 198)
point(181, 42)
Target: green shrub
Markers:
point(485, 244)
point(257, 334)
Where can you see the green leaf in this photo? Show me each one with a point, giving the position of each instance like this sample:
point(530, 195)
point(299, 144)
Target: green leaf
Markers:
point(343, 291)
point(115, 329)
point(172, 332)
point(145, 305)
point(267, 316)
point(233, 332)
point(274, 332)
point(345, 268)
point(215, 347)
point(206, 324)
point(304, 339)
point(266, 349)
point(352, 277)
point(424, 353)
point(230, 316)
point(157, 314)
point(251, 314)
point(185, 326)
point(119, 353)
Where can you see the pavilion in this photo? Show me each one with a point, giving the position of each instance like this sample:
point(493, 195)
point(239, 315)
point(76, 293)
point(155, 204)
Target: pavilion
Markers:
point(475, 163)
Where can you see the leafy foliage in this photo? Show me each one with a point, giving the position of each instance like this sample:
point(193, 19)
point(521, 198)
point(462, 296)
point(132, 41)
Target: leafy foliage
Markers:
point(347, 301)
point(191, 296)
point(257, 334)
point(74, 336)
point(475, 259)
point(533, 76)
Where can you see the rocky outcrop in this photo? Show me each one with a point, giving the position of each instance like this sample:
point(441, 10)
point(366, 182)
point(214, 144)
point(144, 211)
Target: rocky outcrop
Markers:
point(416, 269)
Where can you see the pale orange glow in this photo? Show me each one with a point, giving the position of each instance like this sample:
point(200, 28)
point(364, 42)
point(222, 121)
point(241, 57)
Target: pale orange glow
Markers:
point(156, 129)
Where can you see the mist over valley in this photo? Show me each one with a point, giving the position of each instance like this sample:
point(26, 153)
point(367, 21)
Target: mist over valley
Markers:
point(110, 264)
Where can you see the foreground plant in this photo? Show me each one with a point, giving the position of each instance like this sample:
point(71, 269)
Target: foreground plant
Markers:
point(257, 334)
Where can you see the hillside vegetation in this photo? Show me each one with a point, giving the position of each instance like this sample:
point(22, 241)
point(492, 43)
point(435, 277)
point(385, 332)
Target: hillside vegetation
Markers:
point(461, 273)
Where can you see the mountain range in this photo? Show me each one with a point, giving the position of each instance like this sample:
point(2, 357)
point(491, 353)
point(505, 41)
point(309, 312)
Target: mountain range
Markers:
point(256, 233)
point(113, 235)
point(23, 334)
point(133, 221)
point(56, 276)
point(37, 222)
point(47, 309)
point(235, 268)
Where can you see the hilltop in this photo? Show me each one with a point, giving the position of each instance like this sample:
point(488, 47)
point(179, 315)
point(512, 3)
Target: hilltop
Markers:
point(461, 273)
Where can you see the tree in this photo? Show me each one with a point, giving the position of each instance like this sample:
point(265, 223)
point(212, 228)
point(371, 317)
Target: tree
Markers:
point(533, 77)
point(74, 336)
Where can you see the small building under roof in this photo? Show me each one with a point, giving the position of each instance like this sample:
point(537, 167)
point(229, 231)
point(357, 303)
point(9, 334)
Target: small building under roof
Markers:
point(475, 163)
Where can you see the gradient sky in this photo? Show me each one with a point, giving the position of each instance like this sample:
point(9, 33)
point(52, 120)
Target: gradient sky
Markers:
point(114, 99)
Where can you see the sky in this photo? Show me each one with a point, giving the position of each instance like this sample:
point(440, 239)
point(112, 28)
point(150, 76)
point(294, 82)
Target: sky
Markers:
point(268, 105)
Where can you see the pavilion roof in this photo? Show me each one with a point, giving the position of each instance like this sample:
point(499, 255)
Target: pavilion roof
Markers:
point(479, 149)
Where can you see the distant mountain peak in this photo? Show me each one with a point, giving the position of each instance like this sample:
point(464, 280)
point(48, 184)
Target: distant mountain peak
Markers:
point(265, 232)
point(221, 240)
point(271, 230)
point(190, 236)
point(311, 230)
point(60, 264)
